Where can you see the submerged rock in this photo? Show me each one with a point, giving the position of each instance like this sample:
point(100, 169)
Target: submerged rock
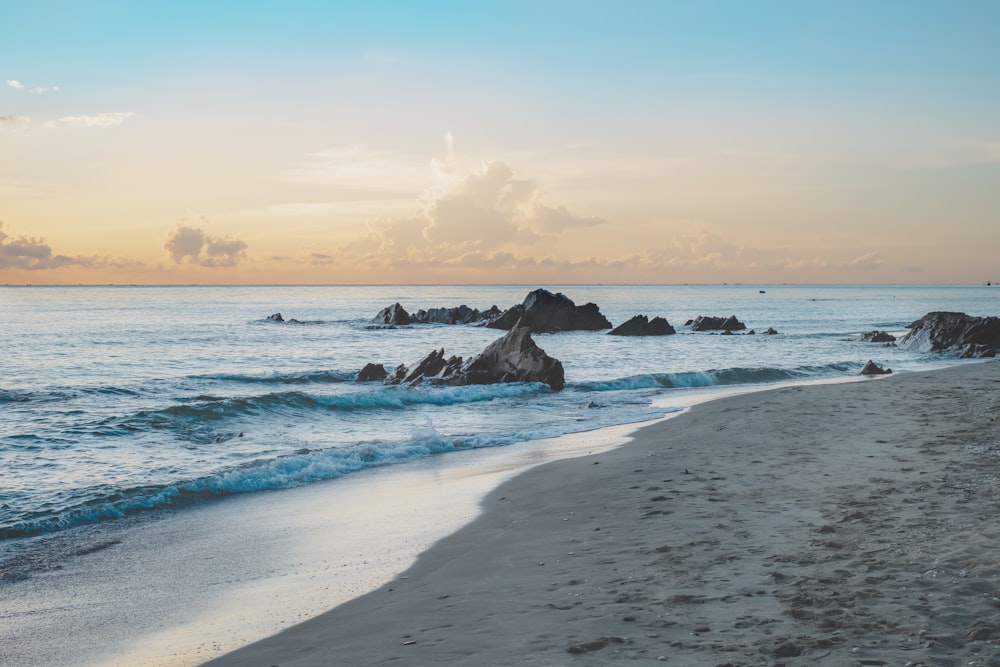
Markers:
point(640, 325)
point(513, 358)
point(965, 335)
point(876, 337)
point(871, 368)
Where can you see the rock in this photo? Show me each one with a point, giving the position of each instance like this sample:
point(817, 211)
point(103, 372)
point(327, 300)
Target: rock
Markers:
point(871, 368)
point(275, 318)
point(640, 325)
point(965, 335)
point(770, 331)
point(397, 315)
point(709, 323)
point(372, 372)
point(394, 315)
point(876, 337)
point(458, 315)
point(545, 312)
point(513, 358)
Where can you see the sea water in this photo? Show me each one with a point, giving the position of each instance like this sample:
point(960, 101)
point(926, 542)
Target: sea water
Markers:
point(124, 401)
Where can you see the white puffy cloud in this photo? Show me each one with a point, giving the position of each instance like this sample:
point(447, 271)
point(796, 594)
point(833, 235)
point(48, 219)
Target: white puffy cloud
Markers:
point(191, 244)
point(14, 83)
point(484, 212)
point(106, 119)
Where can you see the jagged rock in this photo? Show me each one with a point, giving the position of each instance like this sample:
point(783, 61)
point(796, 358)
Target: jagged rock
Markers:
point(372, 372)
point(965, 335)
point(709, 323)
point(545, 312)
point(458, 315)
point(876, 337)
point(513, 358)
point(770, 331)
point(640, 325)
point(397, 315)
point(394, 315)
point(275, 318)
point(871, 368)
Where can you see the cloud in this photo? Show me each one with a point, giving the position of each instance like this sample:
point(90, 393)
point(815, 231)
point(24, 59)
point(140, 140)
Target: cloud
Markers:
point(484, 212)
point(194, 245)
point(14, 121)
point(107, 119)
point(34, 254)
point(866, 262)
point(38, 90)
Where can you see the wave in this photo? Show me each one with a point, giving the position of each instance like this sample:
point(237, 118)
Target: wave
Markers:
point(189, 418)
point(717, 377)
point(291, 470)
point(304, 377)
point(9, 396)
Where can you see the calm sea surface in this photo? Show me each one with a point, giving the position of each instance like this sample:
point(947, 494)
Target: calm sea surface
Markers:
point(115, 401)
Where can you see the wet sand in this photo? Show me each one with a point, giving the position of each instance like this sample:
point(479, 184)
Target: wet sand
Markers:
point(844, 524)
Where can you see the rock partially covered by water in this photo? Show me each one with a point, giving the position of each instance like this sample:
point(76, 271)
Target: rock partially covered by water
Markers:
point(545, 312)
point(640, 325)
point(457, 315)
point(965, 335)
point(876, 337)
point(709, 323)
point(275, 318)
point(513, 358)
point(394, 315)
point(372, 372)
point(871, 368)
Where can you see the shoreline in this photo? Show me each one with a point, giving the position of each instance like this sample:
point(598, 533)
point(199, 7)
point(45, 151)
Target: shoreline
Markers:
point(835, 524)
point(180, 588)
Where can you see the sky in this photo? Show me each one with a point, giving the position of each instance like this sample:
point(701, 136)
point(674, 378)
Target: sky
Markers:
point(524, 142)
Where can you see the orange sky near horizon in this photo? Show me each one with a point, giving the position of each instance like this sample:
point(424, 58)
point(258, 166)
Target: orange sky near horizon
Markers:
point(502, 143)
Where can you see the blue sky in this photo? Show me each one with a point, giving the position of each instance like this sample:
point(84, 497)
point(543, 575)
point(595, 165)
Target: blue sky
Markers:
point(790, 141)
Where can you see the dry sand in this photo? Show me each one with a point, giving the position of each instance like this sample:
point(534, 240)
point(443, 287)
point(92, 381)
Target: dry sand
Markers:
point(847, 524)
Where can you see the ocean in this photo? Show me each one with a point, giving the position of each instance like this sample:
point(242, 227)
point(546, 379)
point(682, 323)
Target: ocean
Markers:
point(125, 401)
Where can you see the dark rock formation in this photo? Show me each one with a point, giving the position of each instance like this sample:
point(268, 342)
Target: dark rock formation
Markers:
point(372, 372)
point(394, 315)
point(275, 318)
point(965, 335)
point(876, 337)
point(770, 331)
point(545, 312)
point(708, 323)
point(640, 325)
point(513, 358)
point(871, 368)
point(458, 315)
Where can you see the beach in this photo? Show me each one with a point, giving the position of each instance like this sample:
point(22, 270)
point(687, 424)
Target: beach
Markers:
point(832, 524)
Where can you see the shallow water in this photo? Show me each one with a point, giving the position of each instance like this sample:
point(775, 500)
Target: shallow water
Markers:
point(118, 400)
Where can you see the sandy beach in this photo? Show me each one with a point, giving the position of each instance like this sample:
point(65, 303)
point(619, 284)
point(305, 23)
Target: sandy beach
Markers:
point(843, 524)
